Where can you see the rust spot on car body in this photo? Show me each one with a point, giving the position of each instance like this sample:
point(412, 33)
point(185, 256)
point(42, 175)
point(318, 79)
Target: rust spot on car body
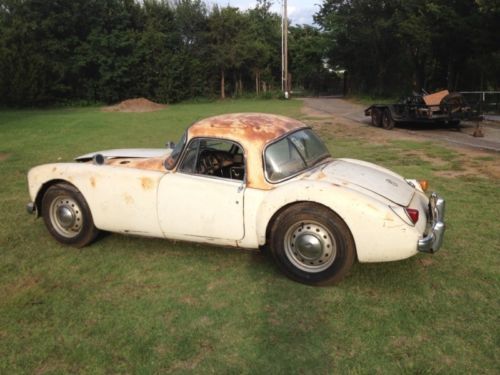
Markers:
point(92, 182)
point(146, 183)
point(153, 164)
point(321, 175)
point(128, 198)
point(253, 131)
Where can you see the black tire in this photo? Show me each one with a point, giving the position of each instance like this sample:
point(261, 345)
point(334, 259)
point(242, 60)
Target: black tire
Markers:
point(376, 117)
point(291, 235)
point(67, 216)
point(387, 121)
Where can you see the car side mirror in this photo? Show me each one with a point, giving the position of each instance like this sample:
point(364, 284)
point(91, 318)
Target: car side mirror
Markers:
point(170, 144)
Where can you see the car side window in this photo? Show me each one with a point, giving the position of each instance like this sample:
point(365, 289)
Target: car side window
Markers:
point(214, 157)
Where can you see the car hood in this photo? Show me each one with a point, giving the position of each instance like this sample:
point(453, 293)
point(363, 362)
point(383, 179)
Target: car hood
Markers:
point(368, 176)
point(128, 153)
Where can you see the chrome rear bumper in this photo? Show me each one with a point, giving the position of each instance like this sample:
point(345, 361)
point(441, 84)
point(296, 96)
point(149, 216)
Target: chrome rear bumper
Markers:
point(434, 239)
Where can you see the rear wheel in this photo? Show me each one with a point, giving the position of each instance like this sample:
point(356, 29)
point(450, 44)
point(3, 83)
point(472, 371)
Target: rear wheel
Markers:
point(387, 121)
point(67, 216)
point(376, 117)
point(312, 245)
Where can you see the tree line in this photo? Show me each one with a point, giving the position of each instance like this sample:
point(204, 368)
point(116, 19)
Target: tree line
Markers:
point(393, 46)
point(56, 51)
point(168, 51)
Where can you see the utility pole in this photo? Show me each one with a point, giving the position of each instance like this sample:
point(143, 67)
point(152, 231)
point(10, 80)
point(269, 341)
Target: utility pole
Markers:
point(284, 50)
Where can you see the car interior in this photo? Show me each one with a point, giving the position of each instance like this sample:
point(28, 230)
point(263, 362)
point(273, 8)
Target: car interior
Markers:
point(214, 157)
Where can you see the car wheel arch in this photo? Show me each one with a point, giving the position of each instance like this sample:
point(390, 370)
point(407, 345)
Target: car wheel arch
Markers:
point(287, 206)
point(74, 226)
point(43, 189)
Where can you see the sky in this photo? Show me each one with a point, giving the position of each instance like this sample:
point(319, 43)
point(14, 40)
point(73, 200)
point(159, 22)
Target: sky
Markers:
point(299, 11)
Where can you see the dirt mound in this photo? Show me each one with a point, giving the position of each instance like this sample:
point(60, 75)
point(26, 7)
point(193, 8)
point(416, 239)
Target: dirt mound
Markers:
point(135, 105)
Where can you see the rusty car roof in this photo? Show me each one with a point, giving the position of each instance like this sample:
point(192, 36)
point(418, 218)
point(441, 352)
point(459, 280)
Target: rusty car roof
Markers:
point(253, 131)
point(245, 127)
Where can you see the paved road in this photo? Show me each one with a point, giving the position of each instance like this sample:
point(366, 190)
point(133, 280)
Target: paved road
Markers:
point(355, 112)
point(492, 117)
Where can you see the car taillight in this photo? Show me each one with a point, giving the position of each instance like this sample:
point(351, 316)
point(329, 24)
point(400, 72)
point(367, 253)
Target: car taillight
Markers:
point(412, 214)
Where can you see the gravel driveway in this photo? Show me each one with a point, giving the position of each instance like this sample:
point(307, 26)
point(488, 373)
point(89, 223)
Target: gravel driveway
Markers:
point(338, 107)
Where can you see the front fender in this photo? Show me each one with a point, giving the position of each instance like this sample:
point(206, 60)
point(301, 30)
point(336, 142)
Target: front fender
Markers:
point(42, 174)
point(120, 199)
point(379, 234)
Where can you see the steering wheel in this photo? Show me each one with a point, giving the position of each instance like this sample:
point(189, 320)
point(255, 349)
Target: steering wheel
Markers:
point(208, 163)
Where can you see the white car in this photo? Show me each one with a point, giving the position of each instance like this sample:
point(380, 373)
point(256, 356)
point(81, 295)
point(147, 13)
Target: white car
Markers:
point(246, 180)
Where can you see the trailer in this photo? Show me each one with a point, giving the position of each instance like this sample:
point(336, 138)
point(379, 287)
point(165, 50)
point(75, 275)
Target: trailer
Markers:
point(441, 107)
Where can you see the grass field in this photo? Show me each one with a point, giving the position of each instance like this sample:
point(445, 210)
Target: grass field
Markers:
point(135, 305)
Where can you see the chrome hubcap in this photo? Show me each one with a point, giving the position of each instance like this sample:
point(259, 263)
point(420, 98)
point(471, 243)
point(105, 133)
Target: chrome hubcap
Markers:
point(310, 246)
point(66, 216)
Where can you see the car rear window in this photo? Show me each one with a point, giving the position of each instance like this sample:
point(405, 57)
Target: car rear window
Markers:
point(292, 154)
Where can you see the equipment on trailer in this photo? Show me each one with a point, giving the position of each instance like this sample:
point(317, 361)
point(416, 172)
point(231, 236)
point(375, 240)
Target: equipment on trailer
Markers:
point(441, 107)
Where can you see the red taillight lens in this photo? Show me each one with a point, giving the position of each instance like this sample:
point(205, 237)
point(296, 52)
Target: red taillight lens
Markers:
point(412, 214)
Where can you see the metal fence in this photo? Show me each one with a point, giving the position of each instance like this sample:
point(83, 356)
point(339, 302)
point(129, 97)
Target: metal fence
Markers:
point(486, 101)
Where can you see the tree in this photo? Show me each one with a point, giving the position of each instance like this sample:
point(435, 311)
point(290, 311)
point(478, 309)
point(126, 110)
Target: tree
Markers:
point(391, 46)
point(308, 59)
point(191, 22)
point(38, 39)
point(225, 26)
point(264, 44)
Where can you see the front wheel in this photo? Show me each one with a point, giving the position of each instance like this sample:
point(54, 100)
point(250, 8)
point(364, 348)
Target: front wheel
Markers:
point(67, 216)
point(312, 245)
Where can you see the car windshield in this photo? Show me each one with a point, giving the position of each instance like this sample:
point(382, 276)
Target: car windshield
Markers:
point(173, 158)
point(292, 154)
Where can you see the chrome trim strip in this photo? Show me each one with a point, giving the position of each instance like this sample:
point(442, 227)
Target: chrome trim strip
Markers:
point(434, 239)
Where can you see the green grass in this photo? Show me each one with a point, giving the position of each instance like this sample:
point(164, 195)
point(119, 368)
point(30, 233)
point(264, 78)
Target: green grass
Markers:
point(136, 305)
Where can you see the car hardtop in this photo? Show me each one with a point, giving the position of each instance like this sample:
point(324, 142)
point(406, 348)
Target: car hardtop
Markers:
point(253, 131)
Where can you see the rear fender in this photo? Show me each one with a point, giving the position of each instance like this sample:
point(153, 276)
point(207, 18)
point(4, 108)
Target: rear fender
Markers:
point(379, 234)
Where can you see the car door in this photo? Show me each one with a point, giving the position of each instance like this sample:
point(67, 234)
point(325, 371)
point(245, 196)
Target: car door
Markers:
point(203, 199)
